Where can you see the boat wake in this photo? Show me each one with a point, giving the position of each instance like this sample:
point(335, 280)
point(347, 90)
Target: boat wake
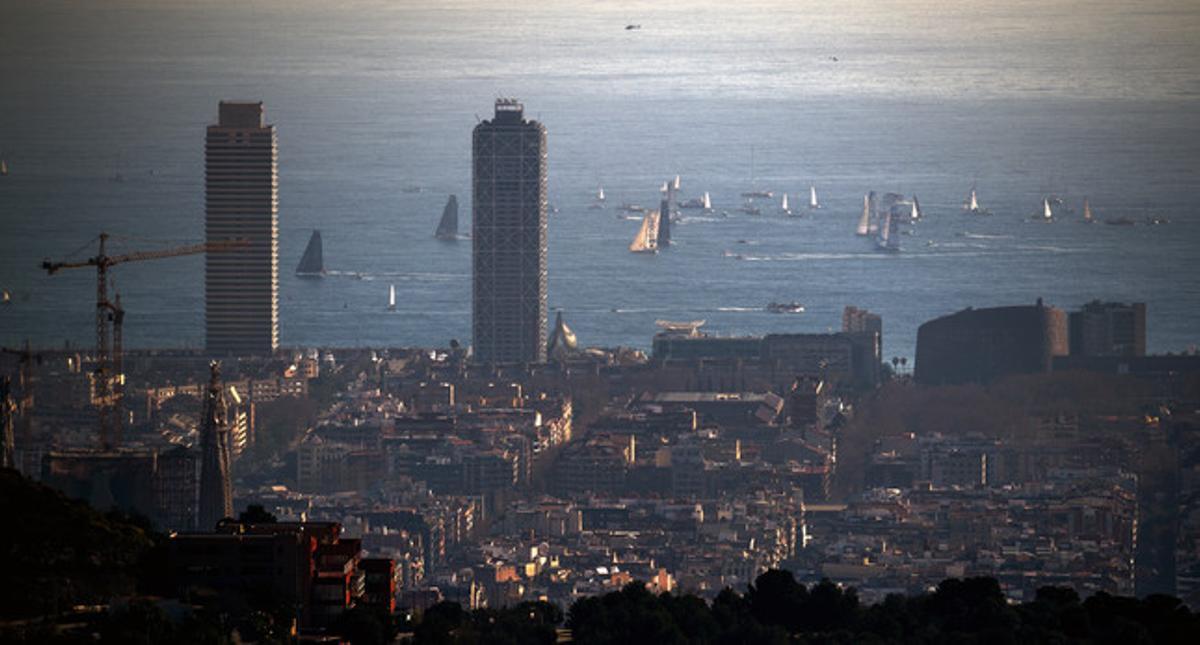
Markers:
point(411, 276)
point(739, 309)
point(984, 236)
point(1046, 249)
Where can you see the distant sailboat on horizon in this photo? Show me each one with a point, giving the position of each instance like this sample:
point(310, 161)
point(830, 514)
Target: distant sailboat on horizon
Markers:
point(600, 194)
point(1088, 217)
point(312, 263)
point(972, 204)
point(391, 297)
point(1047, 213)
point(813, 204)
point(447, 229)
point(783, 206)
point(916, 209)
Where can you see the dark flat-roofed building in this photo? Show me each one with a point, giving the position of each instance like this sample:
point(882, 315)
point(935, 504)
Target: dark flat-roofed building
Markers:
point(1108, 329)
point(980, 345)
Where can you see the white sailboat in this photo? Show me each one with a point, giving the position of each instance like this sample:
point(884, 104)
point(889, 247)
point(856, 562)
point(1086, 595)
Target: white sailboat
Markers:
point(1047, 214)
point(974, 202)
point(916, 209)
point(707, 202)
point(864, 222)
point(1087, 211)
point(391, 298)
point(600, 194)
point(646, 240)
point(676, 184)
point(784, 205)
point(813, 204)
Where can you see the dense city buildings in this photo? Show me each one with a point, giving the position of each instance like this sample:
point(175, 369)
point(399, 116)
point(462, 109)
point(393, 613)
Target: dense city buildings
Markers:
point(509, 311)
point(980, 345)
point(241, 197)
point(343, 480)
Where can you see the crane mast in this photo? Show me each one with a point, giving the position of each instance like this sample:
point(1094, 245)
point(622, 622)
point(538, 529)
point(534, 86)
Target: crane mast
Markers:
point(108, 381)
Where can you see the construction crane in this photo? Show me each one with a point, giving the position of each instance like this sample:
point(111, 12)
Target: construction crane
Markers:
point(109, 379)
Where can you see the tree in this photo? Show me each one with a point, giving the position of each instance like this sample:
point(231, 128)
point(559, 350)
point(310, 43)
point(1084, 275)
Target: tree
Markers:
point(256, 514)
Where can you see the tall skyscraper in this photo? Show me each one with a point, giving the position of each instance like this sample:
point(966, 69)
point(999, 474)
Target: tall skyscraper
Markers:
point(509, 237)
point(216, 493)
point(241, 202)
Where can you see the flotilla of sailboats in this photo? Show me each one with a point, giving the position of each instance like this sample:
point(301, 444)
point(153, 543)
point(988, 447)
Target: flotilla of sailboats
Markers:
point(881, 218)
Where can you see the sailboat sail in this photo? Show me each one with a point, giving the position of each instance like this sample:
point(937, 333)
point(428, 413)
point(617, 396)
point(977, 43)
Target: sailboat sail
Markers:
point(600, 194)
point(312, 263)
point(864, 222)
point(916, 209)
point(392, 297)
point(974, 206)
point(676, 184)
point(812, 197)
point(1046, 212)
point(888, 241)
point(707, 202)
point(1087, 211)
point(646, 240)
point(663, 236)
point(448, 227)
point(784, 205)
